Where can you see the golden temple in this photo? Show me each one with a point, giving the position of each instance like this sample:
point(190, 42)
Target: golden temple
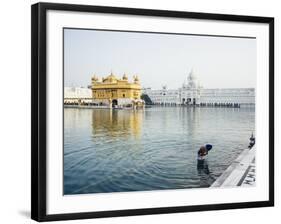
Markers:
point(116, 92)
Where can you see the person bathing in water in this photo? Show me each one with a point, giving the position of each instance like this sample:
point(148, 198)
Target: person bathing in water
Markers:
point(203, 151)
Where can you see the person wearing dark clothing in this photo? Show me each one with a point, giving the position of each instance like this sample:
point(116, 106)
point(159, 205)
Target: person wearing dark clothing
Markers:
point(202, 152)
point(252, 141)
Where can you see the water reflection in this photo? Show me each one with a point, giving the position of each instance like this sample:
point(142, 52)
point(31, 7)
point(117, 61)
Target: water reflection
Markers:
point(204, 174)
point(203, 167)
point(117, 123)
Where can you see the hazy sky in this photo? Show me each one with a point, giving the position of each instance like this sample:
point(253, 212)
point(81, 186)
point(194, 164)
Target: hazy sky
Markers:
point(159, 59)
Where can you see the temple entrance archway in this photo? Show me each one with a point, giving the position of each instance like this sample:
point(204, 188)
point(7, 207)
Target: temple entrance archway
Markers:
point(194, 101)
point(114, 102)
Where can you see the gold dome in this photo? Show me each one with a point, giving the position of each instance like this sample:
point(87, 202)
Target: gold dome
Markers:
point(95, 78)
point(110, 78)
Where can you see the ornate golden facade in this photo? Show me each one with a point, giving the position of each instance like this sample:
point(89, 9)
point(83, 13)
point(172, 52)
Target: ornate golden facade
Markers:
point(116, 92)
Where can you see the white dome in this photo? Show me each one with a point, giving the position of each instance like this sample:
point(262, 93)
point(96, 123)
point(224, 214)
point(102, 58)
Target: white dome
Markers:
point(192, 76)
point(192, 83)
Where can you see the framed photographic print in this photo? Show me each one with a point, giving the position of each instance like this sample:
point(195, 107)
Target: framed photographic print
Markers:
point(140, 111)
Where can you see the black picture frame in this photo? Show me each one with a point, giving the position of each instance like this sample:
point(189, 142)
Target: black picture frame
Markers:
point(39, 108)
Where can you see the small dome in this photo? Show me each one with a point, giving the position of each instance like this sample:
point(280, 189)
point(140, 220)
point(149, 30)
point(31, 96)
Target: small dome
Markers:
point(125, 77)
point(95, 78)
point(136, 78)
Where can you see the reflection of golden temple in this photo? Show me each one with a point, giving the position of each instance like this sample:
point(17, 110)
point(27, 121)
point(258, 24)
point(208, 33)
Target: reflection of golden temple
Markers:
point(116, 92)
point(117, 123)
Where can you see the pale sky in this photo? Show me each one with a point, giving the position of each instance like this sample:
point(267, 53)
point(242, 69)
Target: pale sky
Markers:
point(159, 59)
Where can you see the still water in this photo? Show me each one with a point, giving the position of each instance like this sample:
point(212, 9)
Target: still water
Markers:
point(152, 149)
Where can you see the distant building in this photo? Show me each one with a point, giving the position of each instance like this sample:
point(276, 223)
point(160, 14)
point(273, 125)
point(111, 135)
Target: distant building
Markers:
point(242, 96)
point(163, 96)
point(77, 95)
point(112, 91)
point(192, 93)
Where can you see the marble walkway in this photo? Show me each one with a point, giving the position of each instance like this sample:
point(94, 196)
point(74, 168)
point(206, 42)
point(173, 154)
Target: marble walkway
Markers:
point(242, 172)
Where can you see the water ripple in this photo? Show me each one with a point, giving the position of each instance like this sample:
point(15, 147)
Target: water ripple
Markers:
point(115, 151)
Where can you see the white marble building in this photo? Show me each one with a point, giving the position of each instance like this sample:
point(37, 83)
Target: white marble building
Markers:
point(163, 96)
point(77, 94)
point(240, 95)
point(192, 93)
